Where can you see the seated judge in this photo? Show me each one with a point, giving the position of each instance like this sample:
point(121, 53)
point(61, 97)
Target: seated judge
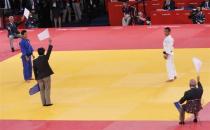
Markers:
point(13, 32)
point(169, 5)
point(192, 97)
point(205, 4)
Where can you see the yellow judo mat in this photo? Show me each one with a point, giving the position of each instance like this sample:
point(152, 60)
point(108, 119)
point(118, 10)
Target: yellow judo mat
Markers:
point(103, 85)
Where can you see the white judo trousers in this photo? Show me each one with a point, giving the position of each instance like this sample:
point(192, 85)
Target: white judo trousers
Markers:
point(168, 48)
point(170, 66)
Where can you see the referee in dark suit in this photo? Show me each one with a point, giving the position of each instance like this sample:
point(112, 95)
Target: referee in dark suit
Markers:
point(192, 97)
point(43, 72)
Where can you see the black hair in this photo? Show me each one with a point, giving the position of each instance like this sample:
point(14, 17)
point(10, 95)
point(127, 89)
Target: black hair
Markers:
point(168, 29)
point(23, 32)
point(41, 51)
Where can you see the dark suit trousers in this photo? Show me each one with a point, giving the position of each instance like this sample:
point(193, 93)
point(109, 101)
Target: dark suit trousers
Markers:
point(45, 86)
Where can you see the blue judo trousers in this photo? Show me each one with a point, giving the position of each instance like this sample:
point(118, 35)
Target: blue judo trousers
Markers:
point(27, 51)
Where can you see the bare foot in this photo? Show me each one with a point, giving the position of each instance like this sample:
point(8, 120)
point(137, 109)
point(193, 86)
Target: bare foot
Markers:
point(27, 81)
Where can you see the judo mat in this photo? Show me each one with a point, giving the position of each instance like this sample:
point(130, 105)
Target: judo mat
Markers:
point(106, 78)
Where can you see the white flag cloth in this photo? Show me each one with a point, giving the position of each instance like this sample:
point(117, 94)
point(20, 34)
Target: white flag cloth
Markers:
point(43, 35)
point(197, 63)
point(26, 13)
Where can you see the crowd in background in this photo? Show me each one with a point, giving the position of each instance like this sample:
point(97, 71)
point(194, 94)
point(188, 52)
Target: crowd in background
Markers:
point(50, 12)
point(132, 16)
point(196, 15)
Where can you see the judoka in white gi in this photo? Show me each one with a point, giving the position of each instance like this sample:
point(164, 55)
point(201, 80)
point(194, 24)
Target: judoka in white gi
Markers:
point(168, 52)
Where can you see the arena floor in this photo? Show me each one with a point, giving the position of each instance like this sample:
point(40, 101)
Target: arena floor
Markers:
point(106, 78)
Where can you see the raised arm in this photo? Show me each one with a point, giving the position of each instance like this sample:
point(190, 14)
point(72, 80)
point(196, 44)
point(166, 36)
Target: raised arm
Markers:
point(49, 50)
point(199, 83)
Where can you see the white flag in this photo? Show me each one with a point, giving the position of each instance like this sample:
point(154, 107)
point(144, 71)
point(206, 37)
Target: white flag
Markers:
point(26, 13)
point(44, 35)
point(197, 63)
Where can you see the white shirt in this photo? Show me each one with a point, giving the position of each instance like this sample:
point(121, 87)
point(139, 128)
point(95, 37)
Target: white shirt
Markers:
point(207, 5)
point(168, 45)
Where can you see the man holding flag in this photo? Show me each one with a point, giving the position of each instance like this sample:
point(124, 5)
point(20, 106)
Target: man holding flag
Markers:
point(43, 72)
point(193, 100)
point(192, 97)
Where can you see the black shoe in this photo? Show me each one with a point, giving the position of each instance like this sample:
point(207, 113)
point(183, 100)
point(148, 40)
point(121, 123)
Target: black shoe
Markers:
point(195, 120)
point(170, 80)
point(181, 123)
point(48, 105)
point(12, 49)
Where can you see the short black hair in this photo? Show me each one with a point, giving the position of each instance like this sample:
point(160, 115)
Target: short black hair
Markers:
point(41, 51)
point(168, 29)
point(23, 32)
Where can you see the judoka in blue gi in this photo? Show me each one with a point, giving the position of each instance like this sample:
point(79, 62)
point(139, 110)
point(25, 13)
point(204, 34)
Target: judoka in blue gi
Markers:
point(27, 53)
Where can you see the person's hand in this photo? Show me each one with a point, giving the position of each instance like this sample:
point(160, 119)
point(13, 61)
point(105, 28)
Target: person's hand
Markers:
point(165, 56)
point(198, 78)
point(50, 41)
point(27, 58)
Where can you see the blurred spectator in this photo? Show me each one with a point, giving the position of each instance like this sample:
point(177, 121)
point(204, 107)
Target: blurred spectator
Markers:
point(17, 6)
point(29, 4)
point(93, 3)
point(44, 13)
point(205, 4)
point(56, 10)
point(169, 5)
point(126, 9)
point(200, 17)
point(77, 10)
point(197, 16)
point(189, 7)
point(31, 22)
point(8, 4)
point(66, 10)
point(141, 20)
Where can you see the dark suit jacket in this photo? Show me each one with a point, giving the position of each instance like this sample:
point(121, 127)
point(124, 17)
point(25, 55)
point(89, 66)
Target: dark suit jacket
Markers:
point(203, 4)
point(169, 7)
point(192, 94)
point(12, 28)
point(41, 66)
